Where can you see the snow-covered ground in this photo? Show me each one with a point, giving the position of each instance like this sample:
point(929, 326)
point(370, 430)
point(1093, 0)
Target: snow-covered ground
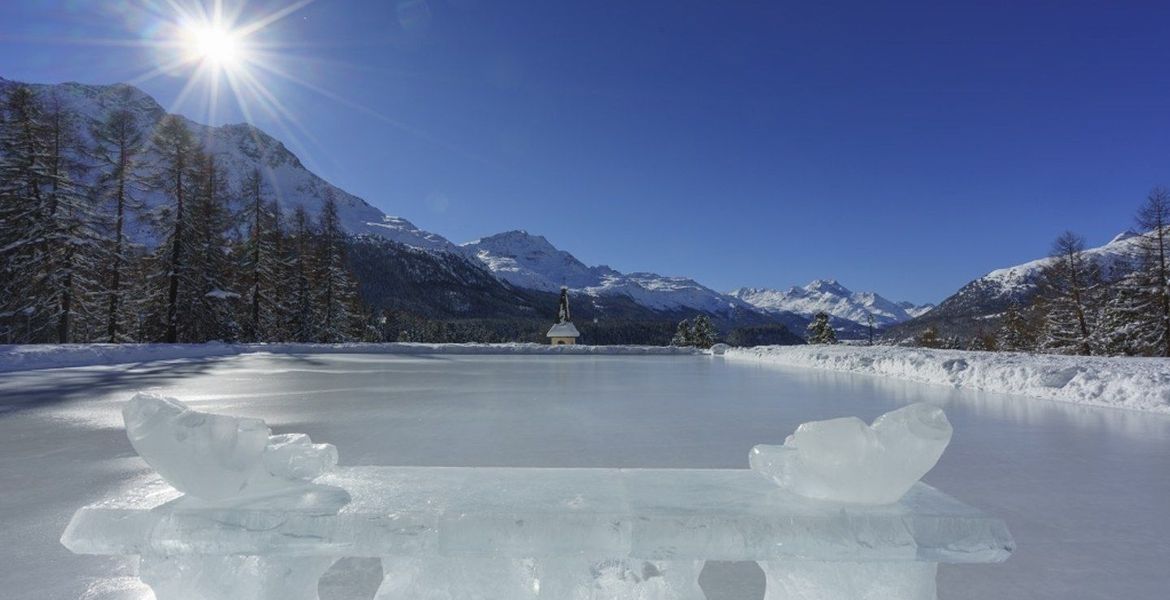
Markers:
point(1084, 490)
point(1133, 383)
point(50, 356)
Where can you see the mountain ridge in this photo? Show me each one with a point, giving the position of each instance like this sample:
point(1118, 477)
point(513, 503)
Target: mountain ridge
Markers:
point(829, 296)
point(977, 305)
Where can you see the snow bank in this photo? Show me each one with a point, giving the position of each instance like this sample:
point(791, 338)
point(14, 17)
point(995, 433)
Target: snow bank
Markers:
point(1133, 383)
point(51, 356)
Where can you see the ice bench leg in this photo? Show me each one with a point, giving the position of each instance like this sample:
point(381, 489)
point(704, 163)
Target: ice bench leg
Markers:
point(543, 579)
point(200, 577)
point(811, 580)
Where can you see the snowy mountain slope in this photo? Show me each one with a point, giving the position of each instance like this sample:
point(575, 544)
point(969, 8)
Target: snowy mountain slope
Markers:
point(833, 298)
point(517, 258)
point(914, 310)
point(1021, 279)
point(530, 261)
point(970, 308)
point(240, 148)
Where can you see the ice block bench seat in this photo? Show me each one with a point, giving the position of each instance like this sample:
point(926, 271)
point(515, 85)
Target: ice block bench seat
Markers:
point(514, 533)
point(835, 513)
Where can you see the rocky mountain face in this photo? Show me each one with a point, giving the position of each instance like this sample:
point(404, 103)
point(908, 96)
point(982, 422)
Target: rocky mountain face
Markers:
point(977, 305)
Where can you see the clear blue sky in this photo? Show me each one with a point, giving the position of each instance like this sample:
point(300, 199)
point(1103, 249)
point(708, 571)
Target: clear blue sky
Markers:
point(900, 147)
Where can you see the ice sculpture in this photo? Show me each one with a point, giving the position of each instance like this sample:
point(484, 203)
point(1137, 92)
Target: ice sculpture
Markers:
point(251, 525)
point(846, 460)
point(220, 457)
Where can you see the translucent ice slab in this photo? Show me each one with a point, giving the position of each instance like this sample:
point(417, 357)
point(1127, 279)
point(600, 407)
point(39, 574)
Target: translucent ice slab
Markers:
point(848, 461)
point(667, 514)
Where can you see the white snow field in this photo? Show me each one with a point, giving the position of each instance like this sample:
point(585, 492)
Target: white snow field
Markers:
point(1083, 489)
point(1121, 382)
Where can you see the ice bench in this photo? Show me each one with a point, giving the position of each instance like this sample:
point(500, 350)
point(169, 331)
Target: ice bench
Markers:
point(456, 533)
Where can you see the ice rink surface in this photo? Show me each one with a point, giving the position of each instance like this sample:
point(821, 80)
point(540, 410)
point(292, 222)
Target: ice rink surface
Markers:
point(1084, 490)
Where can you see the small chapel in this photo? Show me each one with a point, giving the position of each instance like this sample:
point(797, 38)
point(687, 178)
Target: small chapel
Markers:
point(563, 332)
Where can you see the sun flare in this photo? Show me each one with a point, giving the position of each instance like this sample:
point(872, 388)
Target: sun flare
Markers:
point(214, 44)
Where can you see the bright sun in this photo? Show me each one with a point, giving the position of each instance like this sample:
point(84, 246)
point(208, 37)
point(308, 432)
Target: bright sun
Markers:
point(214, 45)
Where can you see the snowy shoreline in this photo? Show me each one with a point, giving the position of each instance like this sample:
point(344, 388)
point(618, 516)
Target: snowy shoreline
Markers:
point(52, 356)
point(1132, 383)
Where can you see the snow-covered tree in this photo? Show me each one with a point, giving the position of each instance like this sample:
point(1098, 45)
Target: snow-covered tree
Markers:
point(1124, 325)
point(1154, 273)
point(48, 248)
point(118, 142)
point(819, 331)
point(301, 323)
point(25, 226)
point(1071, 287)
point(337, 293)
point(1015, 334)
point(211, 312)
point(174, 176)
point(702, 332)
point(684, 335)
point(73, 265)
point(261, 266)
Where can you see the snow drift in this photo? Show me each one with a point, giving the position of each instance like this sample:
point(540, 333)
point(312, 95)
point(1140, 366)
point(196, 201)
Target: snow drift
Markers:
point(1132, 383)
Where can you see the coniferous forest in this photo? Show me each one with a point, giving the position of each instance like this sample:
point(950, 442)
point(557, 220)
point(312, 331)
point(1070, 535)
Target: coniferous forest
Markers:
point(1085, 305)
point(225, 263)
point(228, 265)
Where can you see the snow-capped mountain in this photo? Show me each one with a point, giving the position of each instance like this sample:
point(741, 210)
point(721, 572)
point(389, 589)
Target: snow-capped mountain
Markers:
point(517, 258)
point(994, 291)
point(530, 261)
point(240, 148)
point(969, 309)
point(833, 298)
point(916, 310)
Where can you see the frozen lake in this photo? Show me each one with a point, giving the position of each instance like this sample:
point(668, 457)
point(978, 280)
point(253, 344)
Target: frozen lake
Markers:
point(1084, 490)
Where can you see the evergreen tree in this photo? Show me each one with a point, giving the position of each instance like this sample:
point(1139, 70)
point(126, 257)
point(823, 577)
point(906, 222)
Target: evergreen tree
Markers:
point(47, 247)
point(73, 265)
point(337, 300)
point(210, 314)
point(1153, 276)
point(702, 332)
point(24, 216)
point(301, 323)
point(684, 335)
point(118, 142)
point(1071, 286)
point(1014, 333)
point(262, 267)
point(176, 146)
point(1125, 325)
point(820, 331)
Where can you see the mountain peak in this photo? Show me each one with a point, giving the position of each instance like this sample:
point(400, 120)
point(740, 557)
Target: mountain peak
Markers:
point(1124, 235)
point(828, 295)
point(827, 286)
